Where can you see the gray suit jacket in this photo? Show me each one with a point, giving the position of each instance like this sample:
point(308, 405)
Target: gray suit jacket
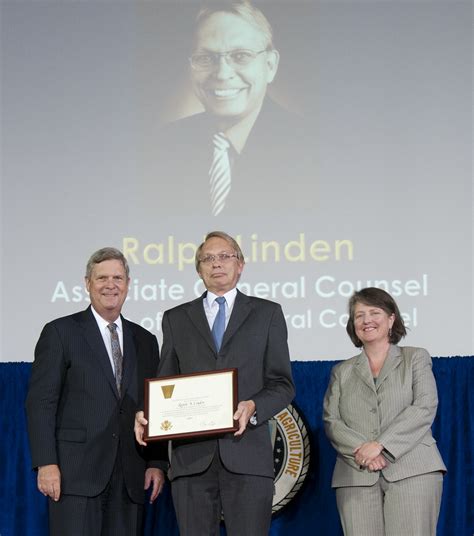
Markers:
point(255, 342)
point(76, 417)
point(397, 411)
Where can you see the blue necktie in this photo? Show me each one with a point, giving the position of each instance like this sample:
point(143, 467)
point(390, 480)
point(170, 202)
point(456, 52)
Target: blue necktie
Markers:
point(218, 327)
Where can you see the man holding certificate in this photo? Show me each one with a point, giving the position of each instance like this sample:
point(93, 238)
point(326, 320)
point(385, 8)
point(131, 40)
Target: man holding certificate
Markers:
point(232, 472)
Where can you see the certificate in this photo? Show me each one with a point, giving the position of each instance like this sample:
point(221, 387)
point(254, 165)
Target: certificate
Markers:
point(187, 405)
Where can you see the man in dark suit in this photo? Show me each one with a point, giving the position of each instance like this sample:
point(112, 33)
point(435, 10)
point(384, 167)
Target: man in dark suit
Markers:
point(85, 388)
point(243, 149)
point(232, 473)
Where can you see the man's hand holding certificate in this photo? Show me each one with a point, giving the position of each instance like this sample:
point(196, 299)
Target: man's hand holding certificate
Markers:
point(190, 405)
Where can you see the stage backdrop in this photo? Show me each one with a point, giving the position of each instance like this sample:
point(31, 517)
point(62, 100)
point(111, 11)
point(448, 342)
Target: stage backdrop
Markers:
point(24, 510)
point(367, 180)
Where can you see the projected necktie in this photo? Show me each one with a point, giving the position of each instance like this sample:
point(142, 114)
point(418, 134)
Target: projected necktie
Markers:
point(219, 174)
point(218, 327)
point(116, 355)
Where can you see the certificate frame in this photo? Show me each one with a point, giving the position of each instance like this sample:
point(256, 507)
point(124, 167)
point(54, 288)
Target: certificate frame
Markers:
point(191, 405)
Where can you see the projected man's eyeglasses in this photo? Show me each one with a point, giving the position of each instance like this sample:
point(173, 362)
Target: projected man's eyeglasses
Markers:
point(207, 61)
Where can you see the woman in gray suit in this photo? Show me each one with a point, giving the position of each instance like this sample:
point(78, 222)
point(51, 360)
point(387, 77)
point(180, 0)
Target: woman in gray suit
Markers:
point(378, 412)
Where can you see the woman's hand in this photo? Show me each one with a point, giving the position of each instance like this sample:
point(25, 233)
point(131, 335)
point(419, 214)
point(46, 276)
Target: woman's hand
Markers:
point(367, 452)
point(378, 464)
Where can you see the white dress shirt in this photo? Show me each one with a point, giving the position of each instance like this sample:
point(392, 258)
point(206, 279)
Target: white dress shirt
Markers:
point(211, 307)
point(105, 332)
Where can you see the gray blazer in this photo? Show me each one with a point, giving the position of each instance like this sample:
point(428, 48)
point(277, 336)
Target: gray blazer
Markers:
point(397, 411)
point(255, 342)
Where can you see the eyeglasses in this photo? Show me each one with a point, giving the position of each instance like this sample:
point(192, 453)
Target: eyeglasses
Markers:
point(221, 257)
point(207, 61)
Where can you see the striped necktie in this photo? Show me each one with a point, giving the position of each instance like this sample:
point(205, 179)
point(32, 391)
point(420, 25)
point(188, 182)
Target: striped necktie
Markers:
point(219, 174)
point(116, 355)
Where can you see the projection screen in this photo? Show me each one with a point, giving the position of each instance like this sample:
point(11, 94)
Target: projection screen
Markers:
point(367, 183)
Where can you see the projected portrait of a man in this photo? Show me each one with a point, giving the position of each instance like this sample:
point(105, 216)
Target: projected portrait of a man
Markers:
point(243, 149)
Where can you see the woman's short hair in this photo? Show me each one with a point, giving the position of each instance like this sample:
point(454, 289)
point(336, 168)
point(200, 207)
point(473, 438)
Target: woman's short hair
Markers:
point(376, 297)
point(219, 234)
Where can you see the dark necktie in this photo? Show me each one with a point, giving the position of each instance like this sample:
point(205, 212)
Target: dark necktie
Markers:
point(219, 174)
point(218, 327)
point(116, 355)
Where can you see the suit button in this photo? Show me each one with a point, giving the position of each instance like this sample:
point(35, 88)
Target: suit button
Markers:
point(114, 436)
point(373, 410)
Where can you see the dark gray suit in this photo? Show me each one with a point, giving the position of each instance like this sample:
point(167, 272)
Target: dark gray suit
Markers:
point(255, 342)
point(76, 418)
point(274, 174)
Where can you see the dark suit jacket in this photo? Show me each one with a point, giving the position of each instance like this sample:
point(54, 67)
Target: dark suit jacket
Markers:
point(273, 174)
point(255, 342)
point(76, 418)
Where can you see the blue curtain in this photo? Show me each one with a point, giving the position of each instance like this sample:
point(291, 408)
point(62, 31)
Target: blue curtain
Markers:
point(313, 511)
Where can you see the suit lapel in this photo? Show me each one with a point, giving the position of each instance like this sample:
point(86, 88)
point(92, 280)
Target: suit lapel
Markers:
point(391, 363)
point(129, 355)
point(362, 370)
point(240, 311)
point(198, 318)
point(96, 343)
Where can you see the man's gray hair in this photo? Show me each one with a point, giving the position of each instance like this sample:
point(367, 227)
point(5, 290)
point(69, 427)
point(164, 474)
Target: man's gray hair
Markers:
point(242, 8)
point(219, 234)
point(106, 254)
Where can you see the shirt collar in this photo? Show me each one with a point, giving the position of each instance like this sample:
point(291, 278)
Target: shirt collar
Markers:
point(239, 133)
point(102, 323)
point(229, 298)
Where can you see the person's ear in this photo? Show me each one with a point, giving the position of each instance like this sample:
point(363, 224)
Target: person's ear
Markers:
point(391, 320)
point(272, 61)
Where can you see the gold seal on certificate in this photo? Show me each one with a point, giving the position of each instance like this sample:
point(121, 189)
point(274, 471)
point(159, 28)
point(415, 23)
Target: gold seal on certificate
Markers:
point(197, 404)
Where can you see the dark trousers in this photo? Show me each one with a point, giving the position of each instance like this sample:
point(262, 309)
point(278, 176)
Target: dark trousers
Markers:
point(111, 513)
point(245, 501)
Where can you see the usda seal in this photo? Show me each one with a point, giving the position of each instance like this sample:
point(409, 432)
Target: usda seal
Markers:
point(291, 454)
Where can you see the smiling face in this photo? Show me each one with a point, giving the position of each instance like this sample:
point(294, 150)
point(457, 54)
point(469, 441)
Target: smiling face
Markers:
point(228, 92)
point(108, 288)
point(372, 324)
point(219, 276)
